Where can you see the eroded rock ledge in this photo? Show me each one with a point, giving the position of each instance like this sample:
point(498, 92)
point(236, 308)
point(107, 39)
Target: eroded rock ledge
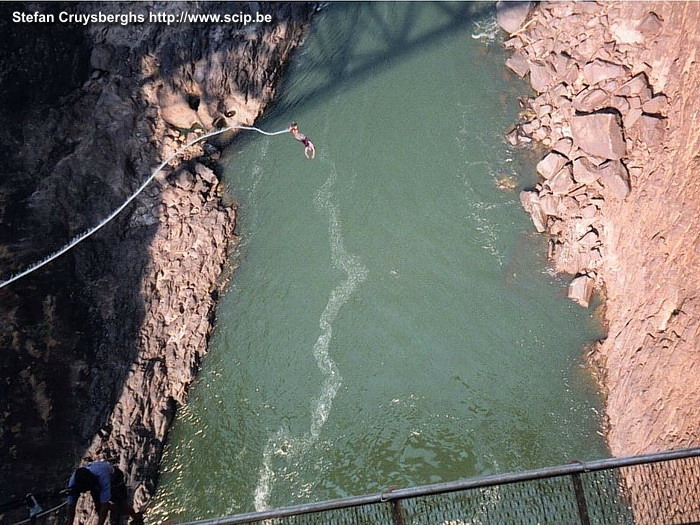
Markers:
point(618, 198)
point(101, 345)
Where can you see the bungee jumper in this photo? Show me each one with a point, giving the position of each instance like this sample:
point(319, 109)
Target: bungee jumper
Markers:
point(309, 149)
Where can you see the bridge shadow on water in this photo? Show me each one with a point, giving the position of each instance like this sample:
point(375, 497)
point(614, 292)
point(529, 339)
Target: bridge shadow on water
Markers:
point(365, 38)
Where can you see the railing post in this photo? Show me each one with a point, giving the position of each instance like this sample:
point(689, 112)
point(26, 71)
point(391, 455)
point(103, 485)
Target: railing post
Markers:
point(397, 512)
point(580, 499)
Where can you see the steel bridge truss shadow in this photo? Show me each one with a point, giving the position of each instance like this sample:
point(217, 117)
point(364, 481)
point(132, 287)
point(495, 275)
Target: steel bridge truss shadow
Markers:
point(368, 37)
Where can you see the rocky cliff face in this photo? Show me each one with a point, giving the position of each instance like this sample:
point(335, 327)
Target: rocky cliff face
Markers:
point(617, 88)
point(617, 85)
point(99, 347)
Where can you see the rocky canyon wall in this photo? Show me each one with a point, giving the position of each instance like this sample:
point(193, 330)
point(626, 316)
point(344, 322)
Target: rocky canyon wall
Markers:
point(616, 89)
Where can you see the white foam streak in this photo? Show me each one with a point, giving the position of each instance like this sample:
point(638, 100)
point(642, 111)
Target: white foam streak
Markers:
point(282, 444)
point(486, 31)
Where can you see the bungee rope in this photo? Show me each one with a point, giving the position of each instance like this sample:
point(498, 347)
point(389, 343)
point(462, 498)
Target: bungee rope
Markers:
point(251, 128)
point(116, 212)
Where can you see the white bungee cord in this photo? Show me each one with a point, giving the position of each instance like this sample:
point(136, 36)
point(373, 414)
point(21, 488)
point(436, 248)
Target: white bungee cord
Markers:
point(80, 238)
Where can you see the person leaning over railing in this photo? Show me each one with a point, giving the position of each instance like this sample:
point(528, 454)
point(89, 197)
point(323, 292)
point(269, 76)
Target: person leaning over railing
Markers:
point(105, 483)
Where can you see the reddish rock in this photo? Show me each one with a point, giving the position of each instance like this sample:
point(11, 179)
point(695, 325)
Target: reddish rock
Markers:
point(591, 99)
point(543, 111)
point(585, 50)
point(550, 204)
point(615, 178)
point(650, 25)
point(562, 183)
point(611, 85)
point(600, 70)
point(561, 62)
point(651, 129)
point(632, 117)
point(599, 134)
point(585, 171)
point(511, 16)
point(581, 290)
point(634, 87)
point(542, 134)
point(646, 94)
point(621, 104)
point(518, 63)
point(542, 76)
point(656, 105)
point(532, 126)
point(530, 200)
point(653, 390)
point(634, 102)
point(561, 90)
point(572, 73)
point(551, 164)
point(563, 146)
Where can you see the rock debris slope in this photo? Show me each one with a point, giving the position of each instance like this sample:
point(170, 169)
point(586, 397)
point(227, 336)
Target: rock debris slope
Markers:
point(617, 87)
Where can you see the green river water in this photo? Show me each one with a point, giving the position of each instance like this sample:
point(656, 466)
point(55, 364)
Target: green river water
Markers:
point(392, 320)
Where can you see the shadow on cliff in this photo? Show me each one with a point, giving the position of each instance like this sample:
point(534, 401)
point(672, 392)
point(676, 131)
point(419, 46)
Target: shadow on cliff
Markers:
point(69, 331)
point(74, 150)
point(45, 335)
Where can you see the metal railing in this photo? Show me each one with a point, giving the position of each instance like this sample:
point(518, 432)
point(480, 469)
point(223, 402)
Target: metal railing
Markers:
point(651, 489)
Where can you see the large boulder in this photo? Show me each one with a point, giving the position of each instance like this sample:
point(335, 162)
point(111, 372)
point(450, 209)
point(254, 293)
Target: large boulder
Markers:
point(651, 129)
point(542, 76)
point(512, 15)
point(176, 110)
point(599, 70)
point(615, 178)
point(599, 134)
point(530, 200)
point(591, 99)
point(581, 290)
point(656, 106)
point(631, 118)
point(550, 204)
point(562, 183)
point(650, 25)
point(551, 164)
point(518, 63)
point(585, 172)
point(635, 86)
point(563, 146)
